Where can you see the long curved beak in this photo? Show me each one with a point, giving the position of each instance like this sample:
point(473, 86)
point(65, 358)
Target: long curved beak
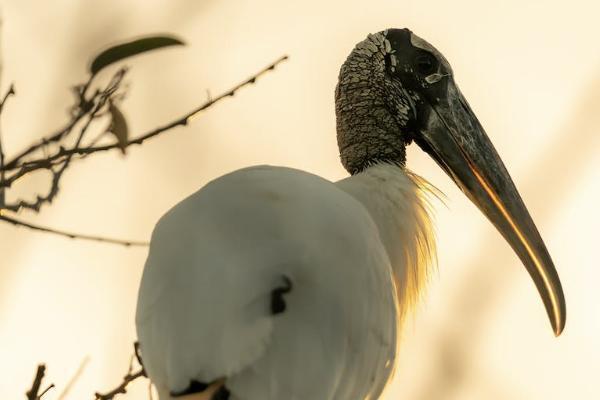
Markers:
point(456, 140)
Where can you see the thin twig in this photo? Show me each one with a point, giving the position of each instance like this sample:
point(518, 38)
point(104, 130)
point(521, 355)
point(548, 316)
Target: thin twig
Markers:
point(55, 183)
point(32, 394)
point(10, 92)
point(86, 111)
point(92, 109)
point(70, 235)
point(55, 137)
point(122, 388)
point(102, 99)
point(84, 107)
point(130, 377)
point(82, 110)
point(45, 390)
point(181, 121)
point(138, 356)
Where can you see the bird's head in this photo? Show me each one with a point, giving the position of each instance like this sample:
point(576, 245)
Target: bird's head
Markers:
point(396, 88)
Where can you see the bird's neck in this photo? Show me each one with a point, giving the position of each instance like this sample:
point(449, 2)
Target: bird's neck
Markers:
point(398, 202)
point(367, 131)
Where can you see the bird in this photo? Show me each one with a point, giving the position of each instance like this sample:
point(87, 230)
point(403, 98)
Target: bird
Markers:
point(273, 283)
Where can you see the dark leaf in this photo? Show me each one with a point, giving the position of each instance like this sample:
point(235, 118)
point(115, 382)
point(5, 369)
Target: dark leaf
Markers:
point(123, 50)
point(119, 127)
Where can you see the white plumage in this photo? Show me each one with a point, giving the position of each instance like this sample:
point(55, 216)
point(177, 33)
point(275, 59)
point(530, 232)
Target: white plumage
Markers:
point(203, 311)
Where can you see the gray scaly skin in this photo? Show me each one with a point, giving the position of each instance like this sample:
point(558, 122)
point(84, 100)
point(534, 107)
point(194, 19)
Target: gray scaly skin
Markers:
point(371, 120)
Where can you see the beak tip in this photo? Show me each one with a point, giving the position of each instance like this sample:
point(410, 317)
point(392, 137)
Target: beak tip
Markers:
point(558, 329)
point(558, 322)
point(557, 333)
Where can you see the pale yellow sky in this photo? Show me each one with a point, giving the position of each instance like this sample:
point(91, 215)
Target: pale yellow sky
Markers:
point(530, 70)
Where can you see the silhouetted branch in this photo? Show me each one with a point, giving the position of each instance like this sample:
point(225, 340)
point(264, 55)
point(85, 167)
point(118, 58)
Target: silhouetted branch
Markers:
point(127, 379)
point(10, 92)
point(51, 386)
point(138, 355)
point(122, 388)
point(85, 111)
point(70, 235)
point(88, 108)
point(33, 393)
point(181, 121)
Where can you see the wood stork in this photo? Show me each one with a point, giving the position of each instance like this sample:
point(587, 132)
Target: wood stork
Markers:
point(271, 283)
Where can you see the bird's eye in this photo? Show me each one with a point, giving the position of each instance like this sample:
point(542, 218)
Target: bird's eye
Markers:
point(425, 63)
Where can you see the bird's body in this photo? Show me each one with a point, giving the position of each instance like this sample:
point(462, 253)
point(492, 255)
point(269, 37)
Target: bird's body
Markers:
point(205, 298)
point(274, 284)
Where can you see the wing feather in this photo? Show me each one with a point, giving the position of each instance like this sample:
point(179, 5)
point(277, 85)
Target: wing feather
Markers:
point(203, 308)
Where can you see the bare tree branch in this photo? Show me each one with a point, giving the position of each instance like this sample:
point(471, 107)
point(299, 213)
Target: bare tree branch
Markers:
point(84, 110)
point(84, 106)
point(181, 121)
point(10, 92)
point(138, 356)
point(122, 388)
point(51, 386)
point(70, 235)
point(87, 109)
point(128, 378)
point(33, 393)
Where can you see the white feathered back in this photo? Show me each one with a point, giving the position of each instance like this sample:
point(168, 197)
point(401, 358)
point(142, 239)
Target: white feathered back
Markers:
point(203, 309)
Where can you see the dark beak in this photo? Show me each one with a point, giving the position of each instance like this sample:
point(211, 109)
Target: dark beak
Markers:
point(456, 140)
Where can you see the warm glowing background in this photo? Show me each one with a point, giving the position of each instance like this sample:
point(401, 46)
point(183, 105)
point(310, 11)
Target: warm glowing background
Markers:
point(530, 70)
